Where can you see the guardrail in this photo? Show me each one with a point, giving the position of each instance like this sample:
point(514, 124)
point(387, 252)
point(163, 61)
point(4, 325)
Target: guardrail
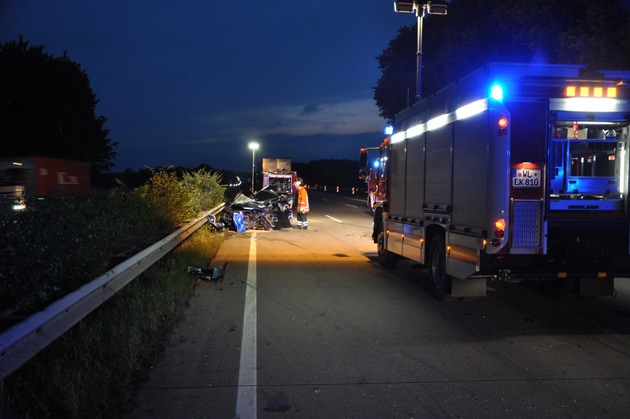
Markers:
point(23, 341)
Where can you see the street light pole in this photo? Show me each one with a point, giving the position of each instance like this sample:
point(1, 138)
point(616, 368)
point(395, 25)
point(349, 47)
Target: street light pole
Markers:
point(421, 9)
point(253, 147)
point(420, 25)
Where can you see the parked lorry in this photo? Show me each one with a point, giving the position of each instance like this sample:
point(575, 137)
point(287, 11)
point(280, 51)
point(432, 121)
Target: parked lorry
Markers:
point(515, 171)
point(23, 178)
point(277, 172)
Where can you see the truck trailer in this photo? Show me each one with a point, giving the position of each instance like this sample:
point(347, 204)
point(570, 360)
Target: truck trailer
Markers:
point(23, 178)
point(516, 171)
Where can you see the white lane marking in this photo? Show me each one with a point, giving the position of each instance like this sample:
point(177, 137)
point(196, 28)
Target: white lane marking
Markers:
point(334, 219)
point(351, 206)
point(247, 378)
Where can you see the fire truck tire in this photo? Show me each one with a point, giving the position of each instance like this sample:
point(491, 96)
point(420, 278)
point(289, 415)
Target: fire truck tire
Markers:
point(386, 258)
point(439, 280)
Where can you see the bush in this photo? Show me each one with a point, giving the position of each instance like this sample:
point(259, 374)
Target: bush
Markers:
point(168, 197)
point(206, 189)
point(58, 244)
point(92, 371)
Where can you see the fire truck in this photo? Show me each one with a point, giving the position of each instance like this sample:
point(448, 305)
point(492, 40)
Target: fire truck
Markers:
point(516, 171)
point(278, 174)
point(373, 176)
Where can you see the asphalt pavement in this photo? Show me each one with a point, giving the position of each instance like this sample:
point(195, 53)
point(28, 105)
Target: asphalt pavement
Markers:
point(307, 324)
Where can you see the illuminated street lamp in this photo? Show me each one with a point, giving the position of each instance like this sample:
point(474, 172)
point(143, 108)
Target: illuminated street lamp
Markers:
point(421, 9)
point(253, 147)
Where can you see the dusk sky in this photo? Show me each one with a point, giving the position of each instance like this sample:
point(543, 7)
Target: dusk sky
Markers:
point(189, 82)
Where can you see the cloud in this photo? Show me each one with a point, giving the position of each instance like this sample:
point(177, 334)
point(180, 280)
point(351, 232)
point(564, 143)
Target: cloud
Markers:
point(308, 109)
point(330, 118)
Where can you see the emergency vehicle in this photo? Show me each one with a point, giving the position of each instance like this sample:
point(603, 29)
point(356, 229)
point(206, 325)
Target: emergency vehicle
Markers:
point(515, 171)
point(373, 176)
point(277, 173)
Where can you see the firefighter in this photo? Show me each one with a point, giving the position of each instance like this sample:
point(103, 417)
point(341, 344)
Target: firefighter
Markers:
point(302, 205)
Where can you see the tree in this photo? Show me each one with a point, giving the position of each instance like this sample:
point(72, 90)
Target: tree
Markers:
point(329, 173)
point(47, 108)
point(475, 32)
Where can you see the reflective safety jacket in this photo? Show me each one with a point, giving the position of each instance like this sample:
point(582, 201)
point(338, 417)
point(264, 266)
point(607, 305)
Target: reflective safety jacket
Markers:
point(302, 200)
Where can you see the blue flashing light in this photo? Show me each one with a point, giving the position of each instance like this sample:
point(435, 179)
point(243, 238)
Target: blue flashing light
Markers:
point(496, 92)
point(389, 130)
point(376, 164)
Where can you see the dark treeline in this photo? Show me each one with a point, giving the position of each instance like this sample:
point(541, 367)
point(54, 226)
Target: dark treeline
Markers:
point(475, 32)
point(344, 173)
point(328, 172)
point(135, 178)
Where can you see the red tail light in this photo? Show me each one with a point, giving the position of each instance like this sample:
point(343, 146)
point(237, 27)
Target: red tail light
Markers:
point(499, 232)
point(503, 124)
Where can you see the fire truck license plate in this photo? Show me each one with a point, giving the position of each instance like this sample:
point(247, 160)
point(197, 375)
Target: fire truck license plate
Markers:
point(526, 178)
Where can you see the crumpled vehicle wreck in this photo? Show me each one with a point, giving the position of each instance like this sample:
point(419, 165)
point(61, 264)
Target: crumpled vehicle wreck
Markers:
point(264, 210)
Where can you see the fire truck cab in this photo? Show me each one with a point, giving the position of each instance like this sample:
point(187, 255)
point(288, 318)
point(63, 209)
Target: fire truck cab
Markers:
point(515, 171)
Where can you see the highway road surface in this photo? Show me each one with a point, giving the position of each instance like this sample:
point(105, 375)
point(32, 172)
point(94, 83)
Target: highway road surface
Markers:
point(308, 325)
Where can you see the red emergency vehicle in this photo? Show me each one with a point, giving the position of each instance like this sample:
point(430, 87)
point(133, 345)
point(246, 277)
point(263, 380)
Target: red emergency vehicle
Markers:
point(515, 171)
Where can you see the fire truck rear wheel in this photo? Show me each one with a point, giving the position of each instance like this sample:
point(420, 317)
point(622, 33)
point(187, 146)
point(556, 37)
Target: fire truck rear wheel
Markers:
point(440, 281)
point(387, 259)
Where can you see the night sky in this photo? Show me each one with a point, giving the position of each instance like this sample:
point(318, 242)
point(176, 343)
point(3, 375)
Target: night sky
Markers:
point(189, 82)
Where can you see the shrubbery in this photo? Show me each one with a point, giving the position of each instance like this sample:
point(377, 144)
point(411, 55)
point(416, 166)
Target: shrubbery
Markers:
point(205, 189)
point(168, 197)
point(93, 370)
point(59, 244)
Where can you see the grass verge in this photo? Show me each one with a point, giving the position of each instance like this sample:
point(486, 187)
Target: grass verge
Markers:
point(93, 370)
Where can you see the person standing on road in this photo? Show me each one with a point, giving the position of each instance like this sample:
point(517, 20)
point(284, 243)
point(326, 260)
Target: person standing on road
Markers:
point(302, 205)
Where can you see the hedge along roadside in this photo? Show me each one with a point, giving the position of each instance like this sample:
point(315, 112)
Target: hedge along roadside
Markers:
point(141, 200)
point(93, 370)
point(62, 243)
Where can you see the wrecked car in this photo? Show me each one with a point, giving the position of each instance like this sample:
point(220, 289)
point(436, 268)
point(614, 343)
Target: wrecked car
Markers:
point(264, 210)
